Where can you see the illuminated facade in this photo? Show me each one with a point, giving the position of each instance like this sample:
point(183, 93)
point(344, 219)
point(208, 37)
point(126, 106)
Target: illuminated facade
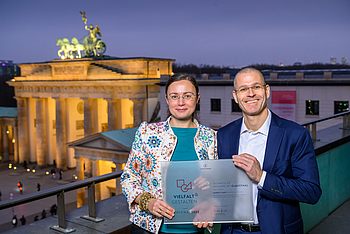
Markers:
point(8, 131)
point(65, 100)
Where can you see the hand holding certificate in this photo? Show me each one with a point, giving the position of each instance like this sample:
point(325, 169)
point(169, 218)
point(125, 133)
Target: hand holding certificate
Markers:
point(207, 191)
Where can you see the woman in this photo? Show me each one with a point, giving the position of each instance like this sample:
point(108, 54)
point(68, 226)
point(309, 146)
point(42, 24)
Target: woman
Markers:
point(179, 138)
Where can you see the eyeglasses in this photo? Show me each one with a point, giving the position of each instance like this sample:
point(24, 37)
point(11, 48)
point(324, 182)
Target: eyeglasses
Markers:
point(185, 96)
point(255, 88)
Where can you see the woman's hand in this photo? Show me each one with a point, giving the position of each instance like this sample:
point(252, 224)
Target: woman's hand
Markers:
point(160, 208)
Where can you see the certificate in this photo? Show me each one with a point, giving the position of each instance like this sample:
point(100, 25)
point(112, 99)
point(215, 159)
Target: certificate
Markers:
point(207, 190)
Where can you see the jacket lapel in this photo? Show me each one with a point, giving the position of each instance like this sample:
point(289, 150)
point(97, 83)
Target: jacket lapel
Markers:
point(273, 143)
point(235, 136)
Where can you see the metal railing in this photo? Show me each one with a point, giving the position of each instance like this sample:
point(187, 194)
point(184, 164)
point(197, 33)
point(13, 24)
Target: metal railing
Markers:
point(311, 126)
point(59, 192)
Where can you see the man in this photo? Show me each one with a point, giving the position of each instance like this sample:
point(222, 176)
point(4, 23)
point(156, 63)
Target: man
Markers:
point(276, 154)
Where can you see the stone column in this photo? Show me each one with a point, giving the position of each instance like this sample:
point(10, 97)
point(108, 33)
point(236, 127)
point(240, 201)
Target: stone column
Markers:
point(90, 116)
point(61, 133)
point(15, 145)
point(114, 114)
point(41, 133)
point(118, 187)
point(31, 118)
point(80, 173)
point(138, 110)
point(5, 143)
point(96, 172)
point(1, 148)
point(90, 126)
point(23, 143)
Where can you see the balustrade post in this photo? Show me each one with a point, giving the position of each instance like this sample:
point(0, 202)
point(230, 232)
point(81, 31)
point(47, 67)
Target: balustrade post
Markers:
point(312, 130)
point(61, 213)
point(92, 205)
point(346, 121)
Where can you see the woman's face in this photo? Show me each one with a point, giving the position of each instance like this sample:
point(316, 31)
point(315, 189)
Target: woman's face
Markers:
point(182, 99)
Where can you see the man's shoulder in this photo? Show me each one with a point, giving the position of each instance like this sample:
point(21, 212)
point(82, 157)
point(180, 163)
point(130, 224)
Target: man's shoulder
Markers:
point(234, 124)
point(287, 124)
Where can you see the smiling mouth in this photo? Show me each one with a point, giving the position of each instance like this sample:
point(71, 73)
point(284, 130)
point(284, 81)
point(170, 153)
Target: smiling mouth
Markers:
point(252, 101)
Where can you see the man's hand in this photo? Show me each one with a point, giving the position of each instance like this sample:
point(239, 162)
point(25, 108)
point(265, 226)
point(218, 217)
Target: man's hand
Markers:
point(250, 165)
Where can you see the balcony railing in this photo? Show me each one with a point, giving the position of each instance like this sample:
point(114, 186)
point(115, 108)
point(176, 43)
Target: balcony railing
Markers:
point(59, 191)
point(90, 183)
point(311, 126)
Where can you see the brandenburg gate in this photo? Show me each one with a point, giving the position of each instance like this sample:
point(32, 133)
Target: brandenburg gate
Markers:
point(61, 101)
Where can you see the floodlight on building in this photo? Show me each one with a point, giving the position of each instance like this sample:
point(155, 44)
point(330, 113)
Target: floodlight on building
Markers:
point(7, 132)
point(33, 170)
point(14, 168)
point(28, 170)
point(10, 165)
point(13, 141)
point(47, 173)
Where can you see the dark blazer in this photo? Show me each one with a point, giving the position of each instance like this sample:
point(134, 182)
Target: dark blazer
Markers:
point(291, 173)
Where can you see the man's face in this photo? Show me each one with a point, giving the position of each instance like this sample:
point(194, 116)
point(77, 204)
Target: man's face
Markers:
point(251, 93)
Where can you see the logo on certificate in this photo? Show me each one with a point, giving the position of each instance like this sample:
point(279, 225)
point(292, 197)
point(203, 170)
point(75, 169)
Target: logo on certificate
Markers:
point(180, 183)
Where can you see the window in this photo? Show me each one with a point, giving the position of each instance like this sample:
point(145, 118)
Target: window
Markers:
point(312, 107)
point(341, 106)
point(234, 106)
point(215, 104)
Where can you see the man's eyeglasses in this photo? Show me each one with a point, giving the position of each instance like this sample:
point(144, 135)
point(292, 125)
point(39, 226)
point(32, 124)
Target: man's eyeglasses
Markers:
point(185, 96)
point(255, 88)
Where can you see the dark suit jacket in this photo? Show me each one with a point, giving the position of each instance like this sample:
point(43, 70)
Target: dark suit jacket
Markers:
point(291, 173)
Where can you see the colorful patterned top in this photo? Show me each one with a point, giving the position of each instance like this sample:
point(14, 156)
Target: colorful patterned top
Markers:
point(153, 143)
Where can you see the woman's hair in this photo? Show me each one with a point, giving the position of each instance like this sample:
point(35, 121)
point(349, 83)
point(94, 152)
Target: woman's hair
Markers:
point(179, 77)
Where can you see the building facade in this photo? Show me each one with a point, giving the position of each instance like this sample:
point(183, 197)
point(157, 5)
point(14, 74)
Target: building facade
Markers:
point(64, 100)
point(299, 95)
point(8, 134)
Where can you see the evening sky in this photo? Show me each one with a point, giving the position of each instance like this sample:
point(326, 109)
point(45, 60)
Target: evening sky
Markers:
point(216, 32)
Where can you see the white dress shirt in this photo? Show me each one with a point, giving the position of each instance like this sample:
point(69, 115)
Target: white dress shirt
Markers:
point(254, 143)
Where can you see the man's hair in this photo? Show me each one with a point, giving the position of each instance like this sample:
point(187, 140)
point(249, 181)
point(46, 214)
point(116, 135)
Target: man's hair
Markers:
point(248, 70)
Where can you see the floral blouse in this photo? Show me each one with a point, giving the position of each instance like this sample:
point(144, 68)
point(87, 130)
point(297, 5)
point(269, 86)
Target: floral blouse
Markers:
point(153, 143)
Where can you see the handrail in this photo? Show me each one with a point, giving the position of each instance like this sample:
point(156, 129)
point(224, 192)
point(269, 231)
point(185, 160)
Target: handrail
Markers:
point(59, 192)
point(327, 118)
point(311, 126)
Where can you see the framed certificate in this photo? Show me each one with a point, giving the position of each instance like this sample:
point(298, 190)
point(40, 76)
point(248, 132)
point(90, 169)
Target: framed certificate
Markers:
point(207, 190)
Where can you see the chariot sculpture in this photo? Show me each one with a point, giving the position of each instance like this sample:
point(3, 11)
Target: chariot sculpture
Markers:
point(92, 45)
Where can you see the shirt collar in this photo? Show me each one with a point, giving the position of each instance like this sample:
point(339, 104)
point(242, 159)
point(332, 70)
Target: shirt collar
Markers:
point(264, 129)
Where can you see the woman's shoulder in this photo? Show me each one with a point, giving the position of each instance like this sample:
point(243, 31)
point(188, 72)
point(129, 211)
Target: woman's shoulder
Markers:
point(207, 129)
point(156, 126)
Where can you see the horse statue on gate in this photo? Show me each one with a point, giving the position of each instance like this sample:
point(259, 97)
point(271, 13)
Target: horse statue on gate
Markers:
point(65, 51)
point(77, 48)
point(91, 46)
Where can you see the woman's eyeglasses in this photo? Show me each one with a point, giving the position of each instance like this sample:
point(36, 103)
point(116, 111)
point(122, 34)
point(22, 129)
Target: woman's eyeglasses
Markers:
point(185, 96)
